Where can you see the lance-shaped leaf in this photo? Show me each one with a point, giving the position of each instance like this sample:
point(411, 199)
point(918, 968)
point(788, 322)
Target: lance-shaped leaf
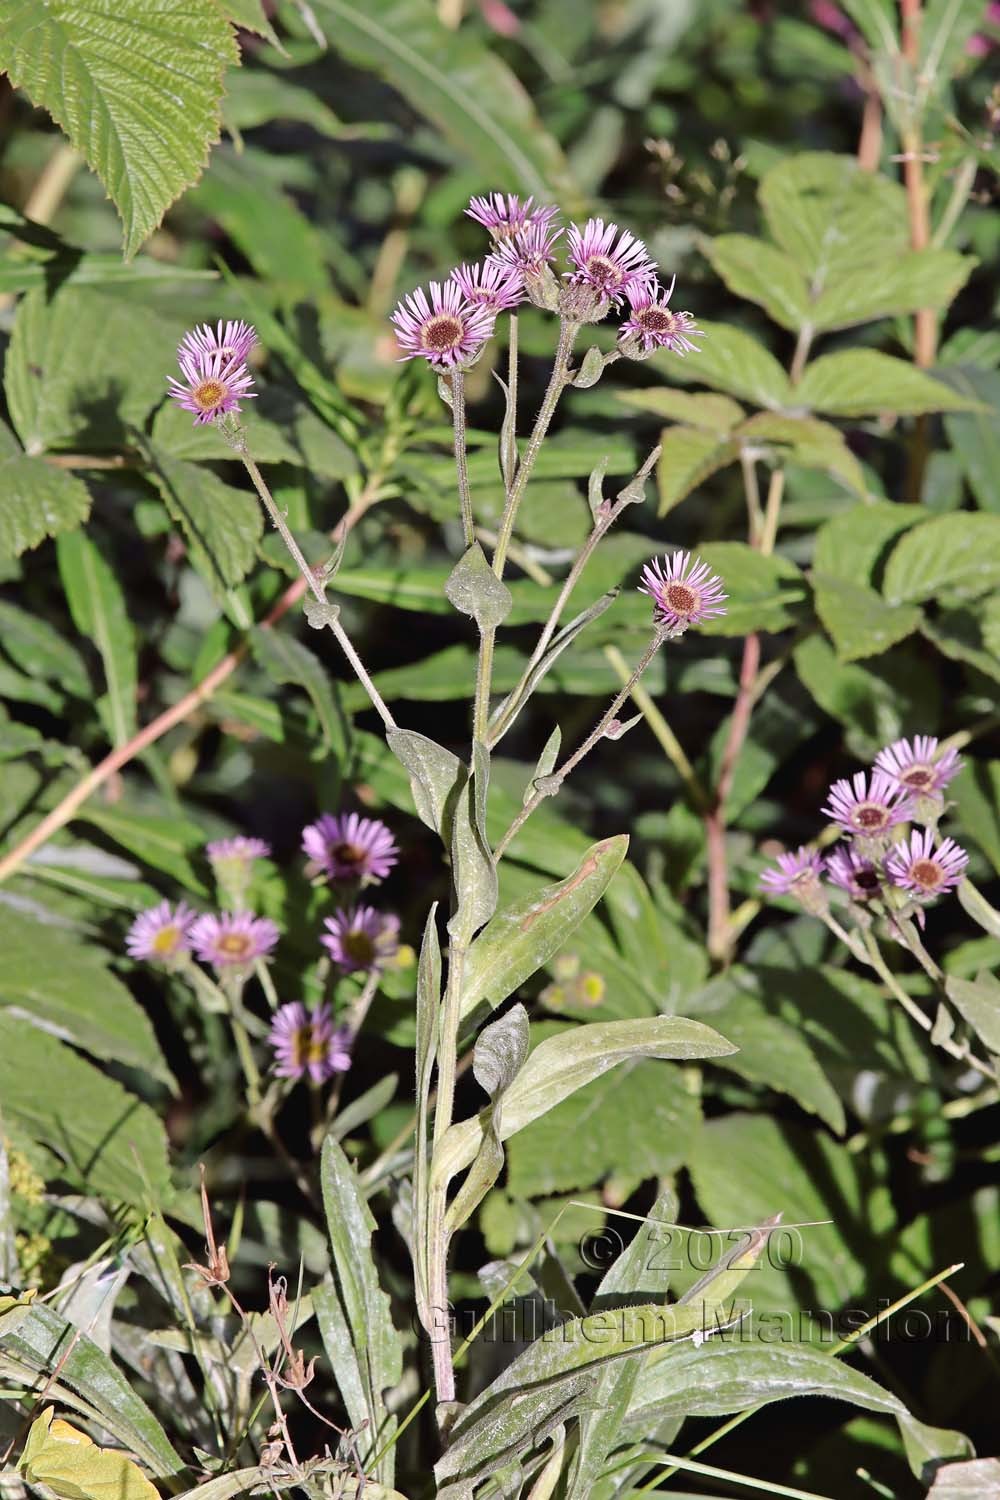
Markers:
point(525, 935)
point(474, 589)
point(286, 660)
point(354, 1317)
point(436, 777)
point(473, 868)
point(500, 1052)
point(562, 1064)
point(97, 604)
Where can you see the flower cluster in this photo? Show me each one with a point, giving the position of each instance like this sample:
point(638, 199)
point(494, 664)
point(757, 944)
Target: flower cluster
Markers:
point(450, 324)
point(213, 363)
point(346, 848)
point(876, 866)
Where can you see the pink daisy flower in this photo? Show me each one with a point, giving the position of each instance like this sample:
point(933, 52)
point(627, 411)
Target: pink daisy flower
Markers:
point(161, 934)
point(794, 873)
point(446, 331)
point(608, 261)
point(505, 214)
point(361, 938)
point(240, 849)
point(917, 766)
point(214, 368)
point(684, 591)
point(915, 865)
point(527, 252)
point(233, 940)
point(491, 285)
point(653, 325)
point(868, 808)
point(853, 873)
point(349, 847)
point(308, 1042)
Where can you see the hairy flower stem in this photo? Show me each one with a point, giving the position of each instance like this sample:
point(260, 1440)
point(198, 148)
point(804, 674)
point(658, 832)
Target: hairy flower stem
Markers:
point(437, 1233)
point(457, 384)
point(558, 380)
point(661, 731)
point(555, 781)
point(317, 589)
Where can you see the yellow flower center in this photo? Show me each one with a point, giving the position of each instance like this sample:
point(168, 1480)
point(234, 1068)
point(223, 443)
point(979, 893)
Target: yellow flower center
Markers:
point(166, 939)
point(209, 395)
point(236, 945)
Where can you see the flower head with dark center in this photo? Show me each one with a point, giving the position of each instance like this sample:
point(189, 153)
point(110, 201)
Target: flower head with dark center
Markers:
point(795, 873)
point(918, 766)
point(361, 938)
point(213, 364)
point(528, 251)
point(504, 214)
point(853, 873)
point(915, 865)
point(867, 808)
point(652, 325)
point(607, 260)
point(684, 591)
point(491, 285)
point(161, 935)
point(446, 330)
point(233, 940)
point(349, 847)
point(308, 1042)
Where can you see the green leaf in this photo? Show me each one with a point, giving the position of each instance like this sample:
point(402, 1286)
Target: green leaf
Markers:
point(436, 778)
point(523, 936)
point(927, 1447)
point(222, 525)
point(475, 590)
point(166, 843)
point(859, 620)
point(465, 89)
point(714, 413)
point(369, 1359)
point(863, 382)
point(97, 604)
point(498, 1057)
point(105, 73)
point(71, 1465)
point(689, 456)
point(39, 649)
point(975, 437)
point(753, 269)
point(890, 287)
point(569, 1061)
point(831, 216)
point(640, 1118)
point(37, 501)
point(732, 361)
point(286, 660)
point(111, 1142)
point(807, 441)
point(473, 869)
point(73, 994)
point(958, 554)
point(978, 1002)
point(763, 591)
point(850, 544)
point(977, 1480)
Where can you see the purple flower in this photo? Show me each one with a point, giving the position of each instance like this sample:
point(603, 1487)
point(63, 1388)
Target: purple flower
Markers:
point(652, 325)
point(795, 873)
point(607, 267)
point(866, 808)
point(233, 940)
point(239, 849)
point(505, 216)
point(161, 934)
point(528, 252)
point(446, 331)
point(308, 1042)
point(684, 591)
point(490, 284)
point(349, 847)
point(916, 866)
point(213, 364)
point(853, 873)
point(361, 938)
point(916, 766)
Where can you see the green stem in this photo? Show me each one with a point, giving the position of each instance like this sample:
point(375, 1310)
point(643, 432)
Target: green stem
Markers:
point(437, 1234)
point(662, 731)
point(457, 383)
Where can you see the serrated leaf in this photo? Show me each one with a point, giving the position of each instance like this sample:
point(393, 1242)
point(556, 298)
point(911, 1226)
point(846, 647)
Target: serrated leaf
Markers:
point(97, 604)
point(958, 554)
point(763, 591)
point(72, 994)
point(761, 273)
point(811, 443)
point(71, 1465)
point(830, 215)
point(287, 660)
point(863, 382)
point(111, 1142)
point(850, 545)
point(975, 437)
point(732, 361)
point(105, 70)
point(714, 413)
point(859, 620)
point(689, 456)
point(523, 936)
point(454, 80)
point(222, 525)
point(891, 286)
point(37, 501)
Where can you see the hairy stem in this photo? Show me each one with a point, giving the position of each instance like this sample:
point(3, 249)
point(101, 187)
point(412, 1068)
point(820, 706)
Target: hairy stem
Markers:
point(457, 383)
point(437, 1234)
